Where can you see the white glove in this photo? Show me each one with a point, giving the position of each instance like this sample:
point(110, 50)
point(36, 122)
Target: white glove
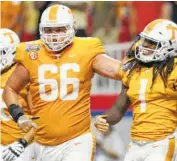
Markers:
point(25, 123)
point(13, 151)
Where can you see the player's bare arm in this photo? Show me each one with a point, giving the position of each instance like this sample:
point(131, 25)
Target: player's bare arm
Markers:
point(107, 66)
point(10, 96)
point(11, 90)
point(115, 114)
point(29, 136)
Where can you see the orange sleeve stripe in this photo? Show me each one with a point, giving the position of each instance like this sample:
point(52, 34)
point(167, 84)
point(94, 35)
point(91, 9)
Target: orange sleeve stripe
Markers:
point(53, 12)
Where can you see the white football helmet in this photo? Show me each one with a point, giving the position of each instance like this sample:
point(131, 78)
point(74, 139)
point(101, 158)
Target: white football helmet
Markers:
point(57, 16)
point(8, 43)
point(163, 34)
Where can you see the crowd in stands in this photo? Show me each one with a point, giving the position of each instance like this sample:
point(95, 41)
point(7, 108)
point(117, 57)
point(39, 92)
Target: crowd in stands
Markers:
point(112, 22)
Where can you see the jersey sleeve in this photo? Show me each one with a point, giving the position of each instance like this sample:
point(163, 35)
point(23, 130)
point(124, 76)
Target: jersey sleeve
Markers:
point(20, 54)
point(97, 47)
point(94, 47)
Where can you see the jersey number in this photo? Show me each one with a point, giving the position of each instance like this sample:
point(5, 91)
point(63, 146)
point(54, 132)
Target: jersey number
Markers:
point(142, 97)
point(64, 82)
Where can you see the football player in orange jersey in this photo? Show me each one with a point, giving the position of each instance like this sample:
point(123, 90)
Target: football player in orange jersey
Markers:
point(59, 68)
point(13, 16)
point(150, 86)
point(13, 140)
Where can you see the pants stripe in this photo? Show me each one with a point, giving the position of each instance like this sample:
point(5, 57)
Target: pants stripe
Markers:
point(93, 147)
point(171, 149)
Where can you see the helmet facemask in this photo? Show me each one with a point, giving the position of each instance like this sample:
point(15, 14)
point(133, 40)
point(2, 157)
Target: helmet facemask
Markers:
point(57, 41)
point(7, 55)
point(156, 51)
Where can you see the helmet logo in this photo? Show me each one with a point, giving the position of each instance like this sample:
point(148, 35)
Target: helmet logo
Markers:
point(9, 35)
point(173, 31)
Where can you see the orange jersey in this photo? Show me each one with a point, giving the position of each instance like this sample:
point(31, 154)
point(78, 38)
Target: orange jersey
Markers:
point(10, 132)
point(154, 109)
point(60, 88)
point(9, 11)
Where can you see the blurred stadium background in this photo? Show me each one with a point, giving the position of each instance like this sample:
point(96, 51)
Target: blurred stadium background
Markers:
point(116, 23)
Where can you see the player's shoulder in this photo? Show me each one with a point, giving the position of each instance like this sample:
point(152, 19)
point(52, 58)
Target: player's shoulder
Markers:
point(27, 51)
point(30, 46)
point(87, 40)
point(88, 47)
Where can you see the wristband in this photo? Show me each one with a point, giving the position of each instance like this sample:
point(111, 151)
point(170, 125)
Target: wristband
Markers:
point(15, 111)
point(23, 142)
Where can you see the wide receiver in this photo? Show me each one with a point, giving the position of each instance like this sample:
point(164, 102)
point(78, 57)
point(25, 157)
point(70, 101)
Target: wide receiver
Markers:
point(13, 139)
point(59, 68)
point(150, 86)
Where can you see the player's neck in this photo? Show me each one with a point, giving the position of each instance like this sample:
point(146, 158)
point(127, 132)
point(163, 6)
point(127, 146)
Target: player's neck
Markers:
point(58, 54)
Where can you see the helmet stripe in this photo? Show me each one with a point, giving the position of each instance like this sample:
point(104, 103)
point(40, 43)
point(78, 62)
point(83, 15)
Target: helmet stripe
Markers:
point(53, 12)
point(151, 25)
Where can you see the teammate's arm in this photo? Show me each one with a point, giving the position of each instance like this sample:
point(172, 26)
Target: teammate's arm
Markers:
point(107, 66)
point(115, 114)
